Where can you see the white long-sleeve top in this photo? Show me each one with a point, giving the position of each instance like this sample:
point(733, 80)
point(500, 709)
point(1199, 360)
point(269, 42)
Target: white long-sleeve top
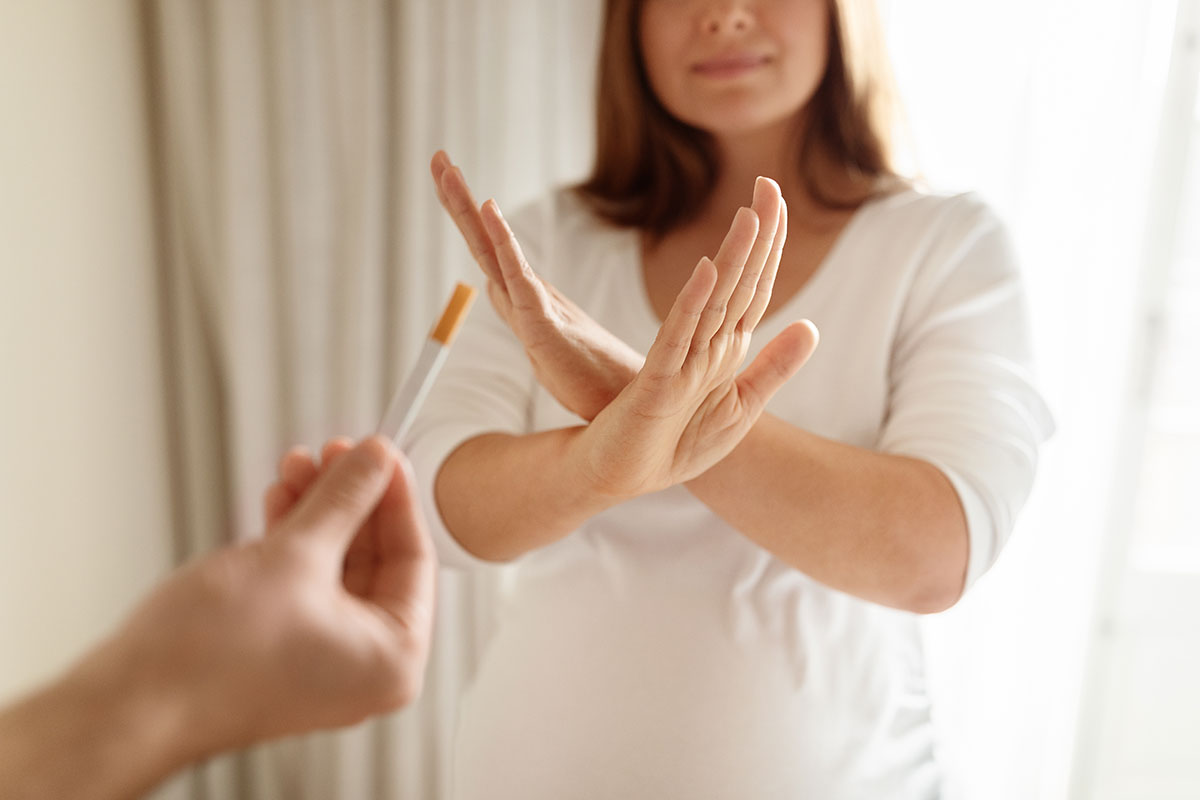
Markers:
point(658, 653)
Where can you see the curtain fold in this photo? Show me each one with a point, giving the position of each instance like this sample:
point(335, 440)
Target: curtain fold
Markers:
point(306, 259)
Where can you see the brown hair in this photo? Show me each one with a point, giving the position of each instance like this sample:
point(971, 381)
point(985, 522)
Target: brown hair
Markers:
point(654, 172)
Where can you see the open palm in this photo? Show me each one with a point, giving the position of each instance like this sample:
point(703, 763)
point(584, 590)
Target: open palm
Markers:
point(688, 406)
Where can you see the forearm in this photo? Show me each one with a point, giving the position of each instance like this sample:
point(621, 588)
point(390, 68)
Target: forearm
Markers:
point(502, 496)
point(92, 735)
point(885, 528)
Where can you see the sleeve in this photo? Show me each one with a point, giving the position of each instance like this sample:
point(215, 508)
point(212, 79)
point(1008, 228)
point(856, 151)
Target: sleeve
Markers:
point(962, 394)
point(486, 386)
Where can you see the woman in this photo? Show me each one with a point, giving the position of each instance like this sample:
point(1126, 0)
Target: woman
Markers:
point(711, 600)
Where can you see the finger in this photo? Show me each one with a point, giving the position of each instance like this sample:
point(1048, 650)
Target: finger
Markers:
point(297, 469)
point(455, 196)
point(277, 502)
point(500, 301)
point(778, 361)
point(674, 340)
point(437, 166)
point(459, 202)
point(766, 284)
point(767, 201)
point(358, 566)
point(405, 562)
point(345, 495)
point(729, 262)
point(523, 285)
point(334, 449)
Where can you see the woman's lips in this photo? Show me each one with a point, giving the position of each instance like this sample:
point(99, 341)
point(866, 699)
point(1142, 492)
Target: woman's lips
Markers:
point(731, 66)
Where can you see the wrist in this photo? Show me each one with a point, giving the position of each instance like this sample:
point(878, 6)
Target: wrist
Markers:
point(614, 371)
point(587, 491)
point(145, 715)
point(737, 460)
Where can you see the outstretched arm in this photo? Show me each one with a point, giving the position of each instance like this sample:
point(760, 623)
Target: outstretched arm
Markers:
point(322, 623)
point(684, 410)
point(883, 527)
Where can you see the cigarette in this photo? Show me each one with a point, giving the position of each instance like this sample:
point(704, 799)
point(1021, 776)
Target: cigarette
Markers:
point(407, 400)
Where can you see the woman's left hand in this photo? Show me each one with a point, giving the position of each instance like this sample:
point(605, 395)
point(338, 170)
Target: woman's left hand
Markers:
point(688, 408)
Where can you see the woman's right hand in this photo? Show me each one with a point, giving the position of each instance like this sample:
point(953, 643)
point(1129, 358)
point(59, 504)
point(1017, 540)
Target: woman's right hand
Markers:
point(574, 357)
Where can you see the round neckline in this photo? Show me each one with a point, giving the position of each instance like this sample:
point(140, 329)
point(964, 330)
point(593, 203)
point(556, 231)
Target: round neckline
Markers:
point(803, 294)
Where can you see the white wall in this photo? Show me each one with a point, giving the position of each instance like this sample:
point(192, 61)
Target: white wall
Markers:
point(84, 513)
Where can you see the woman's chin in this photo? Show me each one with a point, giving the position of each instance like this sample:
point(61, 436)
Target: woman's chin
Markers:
point(741, 125)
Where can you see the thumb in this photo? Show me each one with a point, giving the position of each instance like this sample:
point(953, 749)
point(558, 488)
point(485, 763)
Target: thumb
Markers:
point(342, 498)
point(782, 358)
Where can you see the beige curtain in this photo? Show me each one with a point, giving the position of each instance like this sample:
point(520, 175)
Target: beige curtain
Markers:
point(305, 258)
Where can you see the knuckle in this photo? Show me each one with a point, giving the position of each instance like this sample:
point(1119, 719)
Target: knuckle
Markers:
point(675, 343)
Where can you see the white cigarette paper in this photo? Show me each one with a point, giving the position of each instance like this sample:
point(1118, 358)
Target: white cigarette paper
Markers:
point(407, 400)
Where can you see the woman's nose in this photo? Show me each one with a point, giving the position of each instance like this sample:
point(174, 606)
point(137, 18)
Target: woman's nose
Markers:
point(726, 16)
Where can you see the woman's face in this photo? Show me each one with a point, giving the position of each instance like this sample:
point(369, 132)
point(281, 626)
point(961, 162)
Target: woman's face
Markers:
point(734, 66)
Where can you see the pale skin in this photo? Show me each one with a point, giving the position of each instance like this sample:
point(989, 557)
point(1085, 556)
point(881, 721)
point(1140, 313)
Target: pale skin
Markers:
point(683, 410)
point(888, 529)
point(322, 623)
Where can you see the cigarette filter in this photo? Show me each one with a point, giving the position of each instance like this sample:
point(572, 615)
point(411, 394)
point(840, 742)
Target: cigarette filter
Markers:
point(407, 400)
